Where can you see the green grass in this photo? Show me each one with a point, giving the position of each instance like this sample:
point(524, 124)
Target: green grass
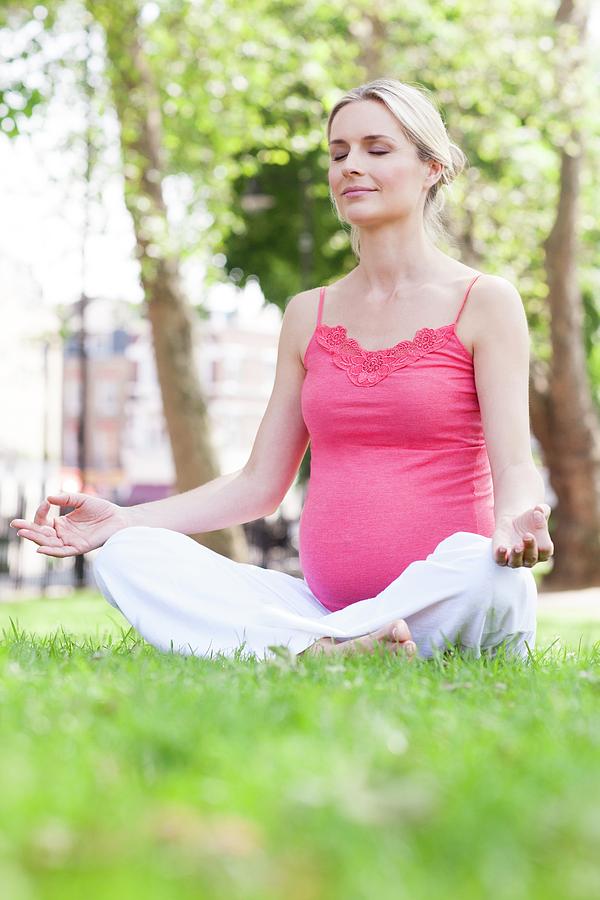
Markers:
point(127, 773)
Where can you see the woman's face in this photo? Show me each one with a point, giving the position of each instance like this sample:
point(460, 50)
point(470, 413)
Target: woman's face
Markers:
point(397, 181)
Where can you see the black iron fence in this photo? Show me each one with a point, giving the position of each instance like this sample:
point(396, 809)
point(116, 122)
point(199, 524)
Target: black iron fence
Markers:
point(272, 544)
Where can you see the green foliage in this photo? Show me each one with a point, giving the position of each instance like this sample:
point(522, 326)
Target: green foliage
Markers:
point(22, 27)
point(243, 92)
point(502, 107)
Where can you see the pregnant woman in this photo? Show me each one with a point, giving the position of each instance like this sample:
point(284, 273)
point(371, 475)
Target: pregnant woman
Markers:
point(409, 376)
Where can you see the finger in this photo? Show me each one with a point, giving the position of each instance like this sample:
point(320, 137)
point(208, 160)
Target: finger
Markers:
point(40, 538)
point(60, 551)
point(544, 553)
point(530, 551)
point(41, 513)
point(24, 523)
point(516, 556)
point(501, 556)
point(67, 499)
point(42, 530)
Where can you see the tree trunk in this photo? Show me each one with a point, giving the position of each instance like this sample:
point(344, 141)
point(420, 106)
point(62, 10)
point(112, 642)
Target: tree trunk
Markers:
point(137, 104)
point(564, 418)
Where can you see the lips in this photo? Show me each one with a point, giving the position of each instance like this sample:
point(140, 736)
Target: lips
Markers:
point(357, 187)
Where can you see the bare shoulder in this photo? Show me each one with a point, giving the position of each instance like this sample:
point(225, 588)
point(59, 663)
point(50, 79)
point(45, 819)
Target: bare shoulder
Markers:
point(300, 304)
point(488, 285)
point(497, 309)
point(300, 316)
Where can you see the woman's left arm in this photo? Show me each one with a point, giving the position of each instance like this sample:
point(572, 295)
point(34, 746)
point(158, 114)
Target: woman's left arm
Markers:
point(501, 364)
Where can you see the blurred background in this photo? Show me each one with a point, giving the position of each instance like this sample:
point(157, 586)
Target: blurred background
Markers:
point(163, 175)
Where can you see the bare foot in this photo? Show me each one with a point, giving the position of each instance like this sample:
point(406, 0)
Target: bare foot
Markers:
point(395, 635)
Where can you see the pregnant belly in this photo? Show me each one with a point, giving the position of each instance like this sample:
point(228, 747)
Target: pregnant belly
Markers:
point(353, 543)
point(352, 559)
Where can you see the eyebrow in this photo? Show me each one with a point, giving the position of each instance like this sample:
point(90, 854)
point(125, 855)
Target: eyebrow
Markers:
point(367, 137)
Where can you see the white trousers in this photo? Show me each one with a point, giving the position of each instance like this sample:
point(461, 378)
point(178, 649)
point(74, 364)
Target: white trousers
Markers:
point(183, 597)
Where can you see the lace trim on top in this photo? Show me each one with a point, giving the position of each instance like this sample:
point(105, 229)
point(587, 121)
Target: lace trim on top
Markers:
point(368, 367)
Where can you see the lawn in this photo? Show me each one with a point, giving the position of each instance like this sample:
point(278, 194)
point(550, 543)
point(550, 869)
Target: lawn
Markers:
point(127, 773)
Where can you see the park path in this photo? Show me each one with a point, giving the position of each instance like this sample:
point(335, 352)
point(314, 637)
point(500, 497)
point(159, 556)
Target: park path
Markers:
point(584, 604)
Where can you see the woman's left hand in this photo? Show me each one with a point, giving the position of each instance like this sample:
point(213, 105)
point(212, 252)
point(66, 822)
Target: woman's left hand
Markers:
point(523, 540)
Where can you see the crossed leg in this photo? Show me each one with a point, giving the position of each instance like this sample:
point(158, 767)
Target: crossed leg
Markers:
point(183, 597)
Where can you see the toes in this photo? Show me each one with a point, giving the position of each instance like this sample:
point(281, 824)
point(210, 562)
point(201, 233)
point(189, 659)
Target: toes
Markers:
point(407, 648)
point(399, 631)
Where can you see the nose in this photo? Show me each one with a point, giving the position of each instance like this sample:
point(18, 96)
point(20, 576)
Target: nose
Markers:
point(350, 167)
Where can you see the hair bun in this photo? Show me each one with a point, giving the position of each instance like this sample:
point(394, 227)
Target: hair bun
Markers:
point(459, 162)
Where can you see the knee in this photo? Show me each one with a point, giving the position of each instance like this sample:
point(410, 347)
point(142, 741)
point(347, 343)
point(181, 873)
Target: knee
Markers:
point(140, 542)
point(124, 535)
point(513, 600)
point(121, 547)
point(112, 558)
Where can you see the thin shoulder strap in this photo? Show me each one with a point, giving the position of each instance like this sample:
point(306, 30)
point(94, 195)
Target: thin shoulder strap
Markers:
point(465, 297)
point(320, 312)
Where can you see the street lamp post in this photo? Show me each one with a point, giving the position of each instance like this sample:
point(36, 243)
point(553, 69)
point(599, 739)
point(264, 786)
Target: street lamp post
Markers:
point(82, 354)
point(82, 437)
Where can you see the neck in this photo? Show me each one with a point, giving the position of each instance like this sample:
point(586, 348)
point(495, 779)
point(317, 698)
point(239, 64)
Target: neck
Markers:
point(393, 258)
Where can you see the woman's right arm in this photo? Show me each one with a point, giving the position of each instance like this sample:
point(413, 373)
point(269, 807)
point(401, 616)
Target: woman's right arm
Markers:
point(254, 491)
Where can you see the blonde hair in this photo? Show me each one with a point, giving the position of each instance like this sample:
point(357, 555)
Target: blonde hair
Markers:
point(422, 124)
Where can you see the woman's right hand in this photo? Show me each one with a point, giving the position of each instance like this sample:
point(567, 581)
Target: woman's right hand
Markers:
point(86, 527)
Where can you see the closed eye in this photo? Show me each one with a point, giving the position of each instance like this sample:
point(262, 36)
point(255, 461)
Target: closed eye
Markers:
point(374, 152)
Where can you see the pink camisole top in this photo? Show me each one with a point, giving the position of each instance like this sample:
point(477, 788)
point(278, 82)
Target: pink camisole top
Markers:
point(398, 457)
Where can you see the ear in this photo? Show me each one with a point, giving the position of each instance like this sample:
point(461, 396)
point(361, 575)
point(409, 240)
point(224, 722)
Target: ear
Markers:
point(435, 172)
